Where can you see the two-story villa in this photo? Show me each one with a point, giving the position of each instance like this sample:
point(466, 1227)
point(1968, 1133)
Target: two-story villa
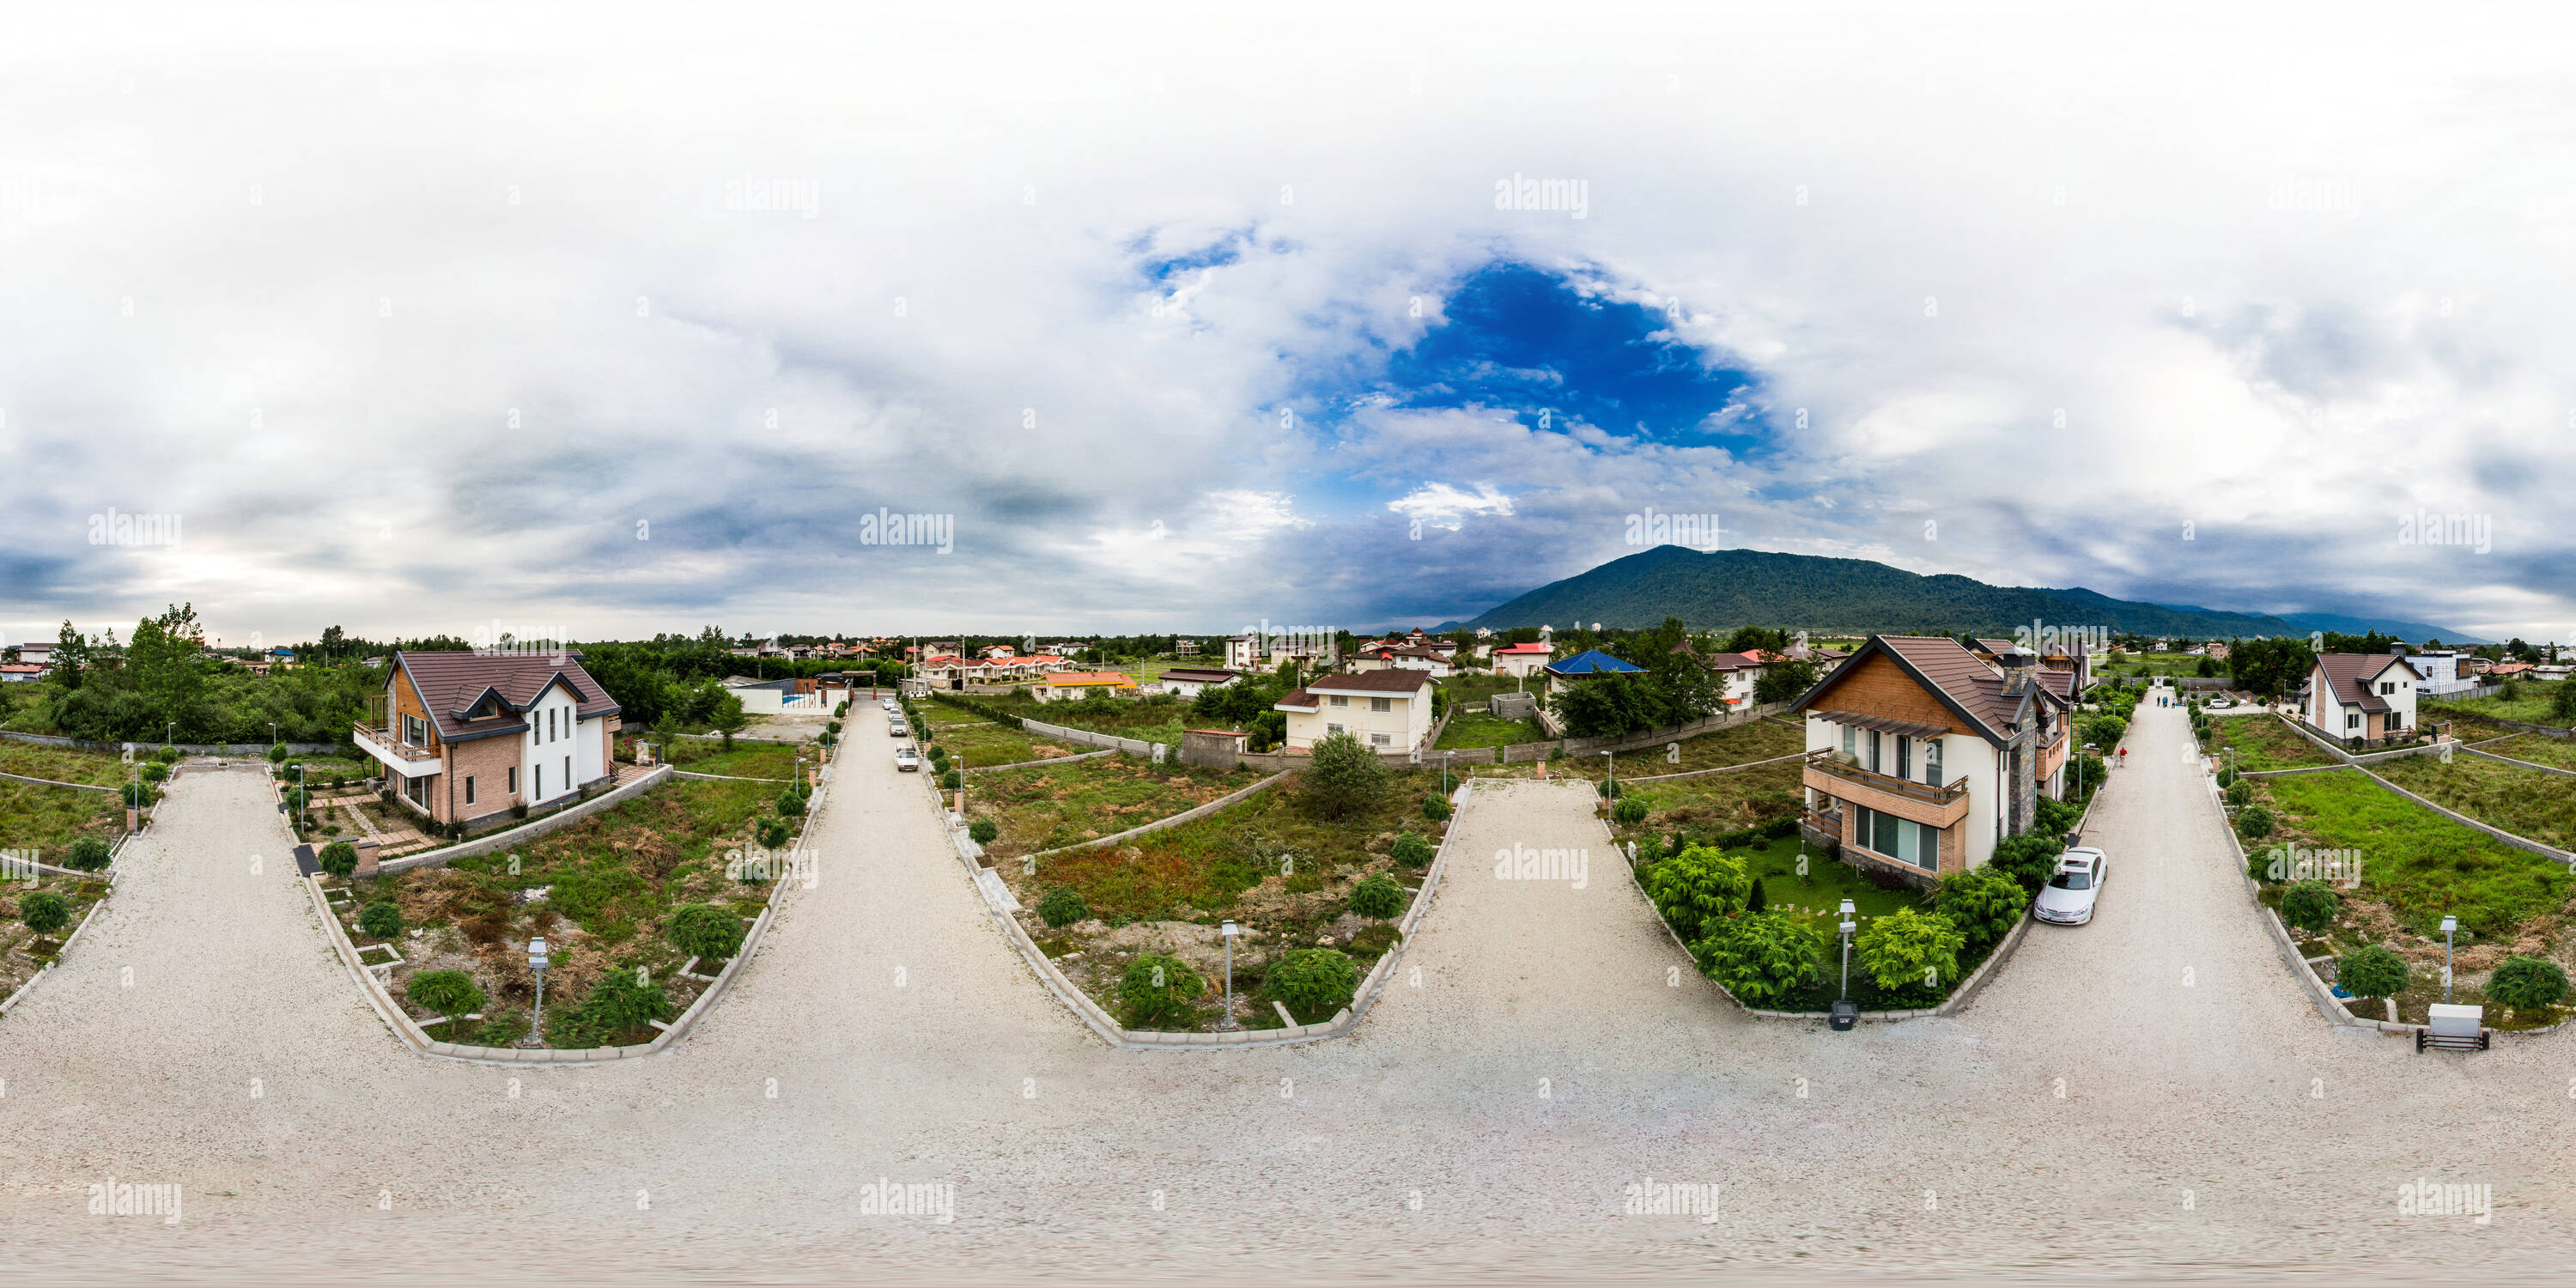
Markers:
point(1386, 710)
point(464, 736)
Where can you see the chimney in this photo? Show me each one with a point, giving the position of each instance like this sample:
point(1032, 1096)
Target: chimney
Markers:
point(2397, 649)
point(2017, 663)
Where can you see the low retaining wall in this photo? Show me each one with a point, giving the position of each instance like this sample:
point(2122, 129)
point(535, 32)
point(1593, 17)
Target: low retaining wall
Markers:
point(107, 874)
point(1032, 764)
point(1722, 769)
point(409, 1032)
point(188, 748)
point(47, 782)
point(1343, 1022)
point(1175, 820)
point(2524, 764)
point(2319, 995)
point(2519, 843)
point(727, 778)
point(527, 831)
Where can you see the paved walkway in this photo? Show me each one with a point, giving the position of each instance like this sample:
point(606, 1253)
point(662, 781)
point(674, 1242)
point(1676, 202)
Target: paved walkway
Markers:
point(1544, 1062)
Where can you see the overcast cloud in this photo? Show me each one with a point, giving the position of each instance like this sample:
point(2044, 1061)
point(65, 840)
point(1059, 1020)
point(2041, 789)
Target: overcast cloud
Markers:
point(620, 322)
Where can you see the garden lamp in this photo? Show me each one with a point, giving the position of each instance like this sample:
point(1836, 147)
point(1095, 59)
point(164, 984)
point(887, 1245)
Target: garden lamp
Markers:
point(1848, 926)
point(1846, 1012)
point(1227, 932)
point(2450, 927)
point(170, 734)
point(1612, 760)
point(272, 733)
point(537, 966)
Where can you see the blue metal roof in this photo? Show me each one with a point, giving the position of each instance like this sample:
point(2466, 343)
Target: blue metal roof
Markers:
point(1594, 662)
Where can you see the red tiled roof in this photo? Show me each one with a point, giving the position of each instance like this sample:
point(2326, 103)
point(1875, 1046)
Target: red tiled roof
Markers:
point(1525, 649)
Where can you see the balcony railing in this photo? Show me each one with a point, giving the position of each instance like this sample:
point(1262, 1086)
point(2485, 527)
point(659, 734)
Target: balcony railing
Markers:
point(1826, 761)
point(384, 741)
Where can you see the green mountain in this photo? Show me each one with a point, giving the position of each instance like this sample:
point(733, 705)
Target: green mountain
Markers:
point(1727, 588)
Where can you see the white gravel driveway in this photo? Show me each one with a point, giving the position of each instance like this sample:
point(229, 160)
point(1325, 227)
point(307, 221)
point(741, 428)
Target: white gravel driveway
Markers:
point(1543, 1064)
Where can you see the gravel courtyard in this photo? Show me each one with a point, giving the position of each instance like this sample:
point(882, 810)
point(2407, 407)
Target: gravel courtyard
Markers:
point(1484, 1122)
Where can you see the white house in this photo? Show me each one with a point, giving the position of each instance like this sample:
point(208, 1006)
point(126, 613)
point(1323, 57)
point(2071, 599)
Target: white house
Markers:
point(2368, 696)
point(1242, 652)
point(2442, 672)
point(1190, 681)
point(1387, 710)
point(1521, 659)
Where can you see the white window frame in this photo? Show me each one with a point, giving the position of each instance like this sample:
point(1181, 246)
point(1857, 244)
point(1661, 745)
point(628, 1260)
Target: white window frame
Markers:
point(1381, 740)
point(1381, 705)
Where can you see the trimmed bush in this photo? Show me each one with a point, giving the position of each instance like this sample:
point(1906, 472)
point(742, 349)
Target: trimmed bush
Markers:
point(1313, 981)
point(1436, 807)
point(445, 992)
point(277, 754)
point(1759, 900)
point(137, 795)
point(2254, 822)
point(983, 830)
point(706, 931)
point(613, 1006)
point(44, 912)
point(2527, 983)
point(2374, 970)
point(383, 920)
point(952, 780)
point(772, 833)
point(1761, 957)
point(339, 858)
point(88, 854)
point(834, 726)
point(1910, 952)
point(2030, 859)
point(167, 755)
point(1630, 811)
point(1377, 897)
point(1412, 851)
point(826, 739)
point(154, 771)
point(2240, 793)
point(1156, 987)
point(1063, 906)
point(789, 804)
point(1982, 903)
point(1696, 887)
point(2311, 906)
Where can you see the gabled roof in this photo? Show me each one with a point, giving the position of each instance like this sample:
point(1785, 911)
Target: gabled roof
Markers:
point(1593, 661)
point(1200, 675)
point(451, 684)
point(1296, 700)
point(1401, 680)
point(1525, 649)
point(1062, 679)
point(2352, 674)
point(1947, 670)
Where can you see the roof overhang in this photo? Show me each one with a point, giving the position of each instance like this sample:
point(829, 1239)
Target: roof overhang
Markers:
point(1880, 724)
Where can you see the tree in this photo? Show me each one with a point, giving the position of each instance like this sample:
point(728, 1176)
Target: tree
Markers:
point(1910, 951)
point(1761, 957)
point(2254, 822)
point(2374, 970)
point(2528, 983)
point(1343, 776)
point(728, 718)
point(1696, 887)
point(2562, 700)
point(1606, 706)
point(339, 858)
point(2030, 859)
point(1982, 902)
point(2311, 906)
point(1377, 897)
point(88, 854)
point(2272, 668)
point(1312, 981)
point(1784, 681)
point(1063, 906)
point(43, 911)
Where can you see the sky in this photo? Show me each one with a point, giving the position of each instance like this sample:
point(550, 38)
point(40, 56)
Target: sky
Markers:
point(597, 323)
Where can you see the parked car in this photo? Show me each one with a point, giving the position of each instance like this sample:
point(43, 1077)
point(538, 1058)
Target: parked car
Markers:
point(905, 758)
point(2067, 899)
point(2221, 702)
point(896, 729)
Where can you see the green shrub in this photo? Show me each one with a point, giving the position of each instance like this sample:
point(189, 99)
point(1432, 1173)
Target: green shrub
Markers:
point(445, 992)
point(1412, 851)
point(138, 795)
point(2240, 793)
point(2254, 822)
point(1313, 981)
point(2527, 983)
point(88, 854)
point(826, 739)
point(382, 920)
point(1436, 807)
point(772, 833)
point(2227, 777)
point(167, 755)
point(2562, 700)
point(1697, 886)
point(1910, 952)
point(1609, 790)
point(613, 1006)
point(834, 726)
point(1759, 899)
point(2057, 818)
point(1343, 776)
point(952, 780)
point(1630, 812)
point(1377, 896)
point(1157, 986)
point(1761, 957)
point(339, 858)
point(983, 830)
point(2374, 970)
point(1063, 906)
point(789, 804)
point(706, 931)
point(2030, 859)
point(154, 771)
point(43, 911)
point(2311, 906)
point(1982, 902)
point(277, 754)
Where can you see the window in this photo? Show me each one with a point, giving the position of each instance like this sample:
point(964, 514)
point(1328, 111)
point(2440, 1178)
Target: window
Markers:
point(1381, 740)
point(469, 789)
point(1873, 751)
point(1902, 839)
point(551, 735)
point(2352, 720)
point(514, 780)
point(415, 731)
point(2386, 688)
point(1904, 756)
point(1340, 701)
point(541, 782)
point(567, 773)
point(1932, 761)
point(1330, 729)
point(1850, 737)
point(1381, 705)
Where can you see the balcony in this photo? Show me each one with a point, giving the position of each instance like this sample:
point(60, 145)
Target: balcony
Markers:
point(397, 755)
point(1905, 798)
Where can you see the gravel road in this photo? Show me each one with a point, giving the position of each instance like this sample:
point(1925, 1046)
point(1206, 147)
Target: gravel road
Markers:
point(1486, 1121)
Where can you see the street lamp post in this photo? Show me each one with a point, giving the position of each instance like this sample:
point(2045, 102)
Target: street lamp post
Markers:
point(1444, 772)
point(1612, 791)
point(272, 733)
point(1227, 932)
point(2450, 925)
point(1846, 1012)
point(537, 966)
point(170, 733)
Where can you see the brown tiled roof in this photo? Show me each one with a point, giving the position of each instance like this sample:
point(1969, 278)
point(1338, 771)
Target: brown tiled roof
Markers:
point(1396, 681)
point(2351, 674)
point(1198, 674)
point(451, 683)
point(1297, 700)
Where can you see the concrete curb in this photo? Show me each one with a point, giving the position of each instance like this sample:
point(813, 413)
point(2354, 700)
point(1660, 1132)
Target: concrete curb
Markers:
point(409, 1032)
point(1191, 815)
point(2319, 995)
point(728, 778)
point(1341, 1025)
point(1053, 760)
point(528, 831)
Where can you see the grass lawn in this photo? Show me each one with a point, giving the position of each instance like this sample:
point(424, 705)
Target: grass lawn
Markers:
point(1272, 864)
point(2532, 706)
point(2263, 742)
point(2415, 863)
point(23, 952)
point(63, 764)
point(1159, 718)
point(2526, 802)
point(746, 760)
point(2539, 749)
point(1058, 805)
point(320, 770)
point(1736, 745)
point(1474, 727)
point(982, 742)
point(1723, 802)
point(608, 882)
point(48, 819)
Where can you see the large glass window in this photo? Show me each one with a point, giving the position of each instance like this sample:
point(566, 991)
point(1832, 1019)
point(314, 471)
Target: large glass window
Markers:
point(1873, 752)
point(1901, 839)
point(1904, 756)
point(1932, 762)
point(1851, 736)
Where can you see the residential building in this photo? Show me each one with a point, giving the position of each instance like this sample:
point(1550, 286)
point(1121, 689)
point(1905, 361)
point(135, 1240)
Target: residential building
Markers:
point(2503, 671)
point(1921, 754)
point(1521, 659)
point(1242, 652)
point(1589, 664)
point(1190, 681)
point(2441, 672)
point(2362, 697)
point(464, 736)
point(1074, 686)
point(1403, 657)
point(21, 672)
point(1386, 710)
point(40, 652)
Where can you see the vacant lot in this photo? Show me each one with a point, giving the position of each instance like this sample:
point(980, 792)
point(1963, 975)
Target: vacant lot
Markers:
point(48, 819)
point(2526, 802)
point(982, 742)
point(2539, 749)
point(2263, 742)
point(2534, 703)
point(63, 764)
point(1723, 802)
point(1157, 718)
point(2416, 864)
point(1273, 864)
point(1736, 745)
point(746, 760)
point(1059, 805)
point(600, 891)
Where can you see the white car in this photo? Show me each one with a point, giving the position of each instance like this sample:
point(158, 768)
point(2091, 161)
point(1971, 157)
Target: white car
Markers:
point(905, 758)
point(2067, 899)
point(2220, 704)
point(897, 729)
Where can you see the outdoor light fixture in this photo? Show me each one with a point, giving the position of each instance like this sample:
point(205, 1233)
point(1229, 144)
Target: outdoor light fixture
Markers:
point(1227, 932)
point(537, 966)
point(2450, 927)
point(1846, 1012)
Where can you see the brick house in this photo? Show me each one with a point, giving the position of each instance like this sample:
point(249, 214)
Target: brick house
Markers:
point(465, 736)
